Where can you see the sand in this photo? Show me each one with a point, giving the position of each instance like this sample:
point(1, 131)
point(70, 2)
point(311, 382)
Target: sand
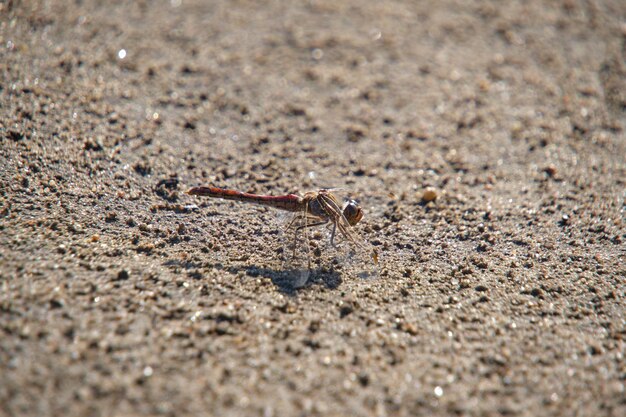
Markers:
point(485, 142)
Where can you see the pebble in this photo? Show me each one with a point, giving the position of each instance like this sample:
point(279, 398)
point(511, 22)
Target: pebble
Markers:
point(75, 228)
point(123, 275)
point(409, 328)
point(430, 194)
point(550, 170)
point(345, 310)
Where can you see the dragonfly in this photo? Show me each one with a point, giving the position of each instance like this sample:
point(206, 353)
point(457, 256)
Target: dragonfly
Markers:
point(315, 208)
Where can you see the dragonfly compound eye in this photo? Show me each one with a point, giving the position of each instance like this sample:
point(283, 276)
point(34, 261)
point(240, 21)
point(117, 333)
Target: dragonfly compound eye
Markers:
point(352, 212)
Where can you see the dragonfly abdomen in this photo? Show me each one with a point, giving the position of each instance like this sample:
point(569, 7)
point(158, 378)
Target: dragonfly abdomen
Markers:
point(289, 202)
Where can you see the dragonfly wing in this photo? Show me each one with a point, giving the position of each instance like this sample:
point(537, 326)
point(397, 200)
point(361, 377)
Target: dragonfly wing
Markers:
point(301, 220)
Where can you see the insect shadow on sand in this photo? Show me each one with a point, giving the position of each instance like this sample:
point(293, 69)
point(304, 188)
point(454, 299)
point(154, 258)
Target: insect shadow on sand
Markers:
point(290, 281)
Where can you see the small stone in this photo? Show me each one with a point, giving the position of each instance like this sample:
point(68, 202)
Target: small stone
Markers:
point(93, 144)
point(364, 379)
point(123, 275)
point(314, 326)
point(75, 228)
point(145, 248)
point(287, 307)
point(347, 307)
point(345, 310)
point(550, 170)
point(409, 328)
point(355, 133)
point(430, 194)
point(595, 349)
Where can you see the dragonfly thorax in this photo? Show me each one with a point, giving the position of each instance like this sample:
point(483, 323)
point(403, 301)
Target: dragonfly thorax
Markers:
point(324, 205)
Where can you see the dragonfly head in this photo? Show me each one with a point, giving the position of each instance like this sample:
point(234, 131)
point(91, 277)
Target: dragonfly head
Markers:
point(352, 212)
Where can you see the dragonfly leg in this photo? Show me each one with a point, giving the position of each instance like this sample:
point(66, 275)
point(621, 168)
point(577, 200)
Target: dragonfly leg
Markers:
point(304, 226)
point(291, 222)
point(332, 235)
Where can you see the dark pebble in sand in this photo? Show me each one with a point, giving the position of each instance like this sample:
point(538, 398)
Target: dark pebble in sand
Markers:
point(123, 275)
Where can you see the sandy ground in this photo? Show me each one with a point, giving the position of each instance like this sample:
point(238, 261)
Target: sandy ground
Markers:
point(122, 295)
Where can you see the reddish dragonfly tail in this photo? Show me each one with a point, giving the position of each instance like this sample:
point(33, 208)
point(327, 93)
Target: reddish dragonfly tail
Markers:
point(289, 202)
